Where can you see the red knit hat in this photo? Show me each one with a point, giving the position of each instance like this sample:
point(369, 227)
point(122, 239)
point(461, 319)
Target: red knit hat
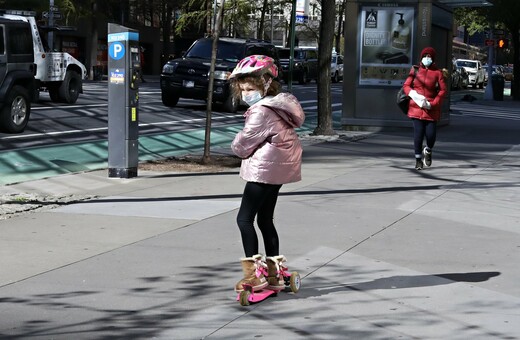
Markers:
point(430, 51)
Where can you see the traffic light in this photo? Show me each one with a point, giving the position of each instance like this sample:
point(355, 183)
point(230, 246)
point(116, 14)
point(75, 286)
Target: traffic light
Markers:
point(503, 43)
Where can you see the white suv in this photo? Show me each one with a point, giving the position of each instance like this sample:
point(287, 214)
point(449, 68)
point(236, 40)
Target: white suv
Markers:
point(476, 72)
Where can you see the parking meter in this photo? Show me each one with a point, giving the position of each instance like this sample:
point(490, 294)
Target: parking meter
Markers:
point(124, 69)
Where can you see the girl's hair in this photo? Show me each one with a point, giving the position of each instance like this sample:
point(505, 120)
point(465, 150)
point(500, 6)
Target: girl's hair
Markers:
point(257, 81)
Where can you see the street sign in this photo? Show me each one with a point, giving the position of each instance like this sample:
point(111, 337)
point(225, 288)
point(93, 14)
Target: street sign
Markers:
point(498, 32)
point(52, 15)
point(490, 42)
point(53, 8)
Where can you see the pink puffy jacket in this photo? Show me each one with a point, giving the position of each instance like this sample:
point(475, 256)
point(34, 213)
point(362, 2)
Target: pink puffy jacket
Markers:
point(268, 145)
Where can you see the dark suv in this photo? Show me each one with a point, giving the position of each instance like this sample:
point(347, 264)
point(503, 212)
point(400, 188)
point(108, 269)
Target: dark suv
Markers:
point(305, 66)
point(188, 77)
point(17, 70)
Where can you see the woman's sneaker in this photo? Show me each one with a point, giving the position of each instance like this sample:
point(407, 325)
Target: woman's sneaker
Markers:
point(427, 156)
point(418, 164)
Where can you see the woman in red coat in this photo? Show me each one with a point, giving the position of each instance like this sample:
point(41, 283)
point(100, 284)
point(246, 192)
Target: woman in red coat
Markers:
point(426, 89)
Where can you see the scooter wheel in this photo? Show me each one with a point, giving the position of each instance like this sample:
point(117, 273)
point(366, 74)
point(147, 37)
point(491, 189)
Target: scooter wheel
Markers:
point(295, 282)
point(244, 297)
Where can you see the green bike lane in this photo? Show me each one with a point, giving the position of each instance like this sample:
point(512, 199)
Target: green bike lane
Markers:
point(18, 166)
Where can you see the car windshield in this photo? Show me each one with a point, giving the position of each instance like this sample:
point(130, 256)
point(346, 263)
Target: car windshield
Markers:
point(464, 63)
point(228, 51)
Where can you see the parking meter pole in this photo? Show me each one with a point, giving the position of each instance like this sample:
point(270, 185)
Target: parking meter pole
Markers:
point(488, 93)
point(124, 69)
point(291, 51)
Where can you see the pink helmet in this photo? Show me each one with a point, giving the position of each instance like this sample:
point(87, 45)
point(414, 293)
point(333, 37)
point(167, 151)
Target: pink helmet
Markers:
point(258, 64)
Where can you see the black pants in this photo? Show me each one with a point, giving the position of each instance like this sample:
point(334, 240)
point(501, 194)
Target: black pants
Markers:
point(259, 200)
point(421, 129)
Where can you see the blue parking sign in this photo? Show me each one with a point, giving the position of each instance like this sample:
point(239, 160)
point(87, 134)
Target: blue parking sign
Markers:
point(116, 50)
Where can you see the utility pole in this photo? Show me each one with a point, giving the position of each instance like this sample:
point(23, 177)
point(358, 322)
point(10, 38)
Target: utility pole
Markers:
point(292, 35)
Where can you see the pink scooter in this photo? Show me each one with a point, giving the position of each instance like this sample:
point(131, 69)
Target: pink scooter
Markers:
point(248, 296)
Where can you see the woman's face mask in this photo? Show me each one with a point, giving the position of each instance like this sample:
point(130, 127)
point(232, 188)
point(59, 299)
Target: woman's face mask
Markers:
point(251, 97)
point(427, 61)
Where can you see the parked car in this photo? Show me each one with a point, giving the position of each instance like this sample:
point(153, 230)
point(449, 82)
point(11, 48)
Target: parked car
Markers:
point(17, 70)
point(336, 67)
point(305, 66)
point(188, 76)
point(508, 73)
point(475, 71)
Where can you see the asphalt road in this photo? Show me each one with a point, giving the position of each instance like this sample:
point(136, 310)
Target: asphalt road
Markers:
point(87, 119)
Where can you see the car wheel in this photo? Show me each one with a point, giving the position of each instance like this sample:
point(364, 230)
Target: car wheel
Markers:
point(54, 92)
point(15, 113)
point(481, 85)
point(169, 99)
point(231, 104)
point(70, 87)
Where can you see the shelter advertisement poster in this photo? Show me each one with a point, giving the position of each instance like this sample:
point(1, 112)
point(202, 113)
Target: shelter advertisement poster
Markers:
point(386, 44)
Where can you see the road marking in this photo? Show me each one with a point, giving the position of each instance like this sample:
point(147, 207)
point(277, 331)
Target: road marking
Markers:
point(67, 106)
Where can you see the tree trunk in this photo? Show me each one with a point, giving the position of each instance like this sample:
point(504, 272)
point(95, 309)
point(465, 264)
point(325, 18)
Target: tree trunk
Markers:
point(206, 158)
point(167, 30)
point(340, 25)
point(92, 63)
point(261, 29)
point(327, 24)
point(209, 16)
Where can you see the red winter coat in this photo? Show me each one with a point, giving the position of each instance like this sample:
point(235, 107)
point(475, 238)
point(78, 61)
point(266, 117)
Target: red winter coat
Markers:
point(425, 83)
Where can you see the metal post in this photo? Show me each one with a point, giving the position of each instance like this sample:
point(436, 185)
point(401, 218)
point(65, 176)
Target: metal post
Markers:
point(488, 93)
point(292, 36)
point(50, 35)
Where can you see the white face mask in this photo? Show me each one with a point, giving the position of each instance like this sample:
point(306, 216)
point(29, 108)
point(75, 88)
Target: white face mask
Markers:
point(252, 98)
point(427, 61)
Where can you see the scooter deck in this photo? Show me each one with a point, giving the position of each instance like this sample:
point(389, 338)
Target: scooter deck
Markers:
point(254, 297)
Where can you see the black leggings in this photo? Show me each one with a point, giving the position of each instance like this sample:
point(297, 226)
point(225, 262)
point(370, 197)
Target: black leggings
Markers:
point(259, 200)
point(422, 128)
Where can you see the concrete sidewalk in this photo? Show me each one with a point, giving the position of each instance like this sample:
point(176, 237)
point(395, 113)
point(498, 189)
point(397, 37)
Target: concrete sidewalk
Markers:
point(384, 251)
